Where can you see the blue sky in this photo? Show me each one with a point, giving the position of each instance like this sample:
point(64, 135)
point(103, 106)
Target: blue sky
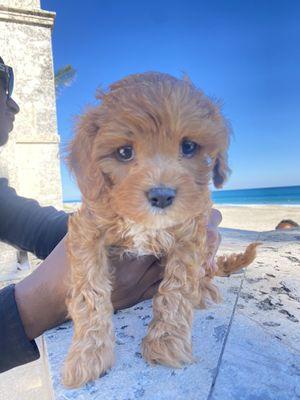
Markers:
point(245, 52)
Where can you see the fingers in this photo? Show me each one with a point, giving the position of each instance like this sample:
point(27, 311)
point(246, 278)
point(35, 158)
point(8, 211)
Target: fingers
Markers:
point(151, 280)
point(215, 218)
point(151, 291)
point(151, 276)
point(130, 290)
point(131, 262)
point(213, 238)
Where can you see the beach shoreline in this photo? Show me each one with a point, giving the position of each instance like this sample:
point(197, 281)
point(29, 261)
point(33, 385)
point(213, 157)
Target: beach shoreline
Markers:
point(259, 218)
point(251, 217)
point(254, 205)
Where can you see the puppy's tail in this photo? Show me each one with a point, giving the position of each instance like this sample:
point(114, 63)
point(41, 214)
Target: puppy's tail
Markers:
point(228, 264)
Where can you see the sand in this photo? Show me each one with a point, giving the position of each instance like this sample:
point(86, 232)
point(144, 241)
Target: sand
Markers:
point(252, 218)
point(257, 218)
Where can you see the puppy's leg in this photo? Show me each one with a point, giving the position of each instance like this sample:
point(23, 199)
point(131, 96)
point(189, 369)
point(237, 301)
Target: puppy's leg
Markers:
point(169, 335)
point(89, 306)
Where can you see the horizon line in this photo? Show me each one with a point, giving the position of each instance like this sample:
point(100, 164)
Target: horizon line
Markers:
point(213, 191)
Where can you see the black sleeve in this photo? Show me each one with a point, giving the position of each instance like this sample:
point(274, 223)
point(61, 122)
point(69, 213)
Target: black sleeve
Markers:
point(15, 348)
point(28, 226)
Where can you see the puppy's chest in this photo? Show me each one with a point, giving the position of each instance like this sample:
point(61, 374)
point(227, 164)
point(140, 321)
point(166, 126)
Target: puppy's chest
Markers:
point(140, 241)
point(156, 243)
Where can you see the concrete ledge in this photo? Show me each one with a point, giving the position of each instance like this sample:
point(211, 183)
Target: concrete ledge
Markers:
point(247, 348)
point(29, 381)
point(27, 16)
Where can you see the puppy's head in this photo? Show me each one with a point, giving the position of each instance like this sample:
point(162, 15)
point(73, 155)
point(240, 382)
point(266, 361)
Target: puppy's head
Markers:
point(151, 148)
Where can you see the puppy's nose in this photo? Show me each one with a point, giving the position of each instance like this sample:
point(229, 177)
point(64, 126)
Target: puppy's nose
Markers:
point(161, 197)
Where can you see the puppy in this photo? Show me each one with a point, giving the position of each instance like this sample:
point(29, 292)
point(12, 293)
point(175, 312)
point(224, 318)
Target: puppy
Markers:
point(143, 160)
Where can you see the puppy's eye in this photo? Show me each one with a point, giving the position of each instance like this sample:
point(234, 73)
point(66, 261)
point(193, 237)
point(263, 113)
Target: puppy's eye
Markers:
point(188, 148)
point(125, 153)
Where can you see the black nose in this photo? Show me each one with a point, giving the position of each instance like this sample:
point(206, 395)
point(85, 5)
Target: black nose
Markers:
point(161, 196)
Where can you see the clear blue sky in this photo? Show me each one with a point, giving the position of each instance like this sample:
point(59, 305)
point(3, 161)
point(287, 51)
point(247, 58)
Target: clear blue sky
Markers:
point(245, 52)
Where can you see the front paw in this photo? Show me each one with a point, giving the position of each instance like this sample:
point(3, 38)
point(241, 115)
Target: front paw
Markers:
point(171, 349)
point(84, 365)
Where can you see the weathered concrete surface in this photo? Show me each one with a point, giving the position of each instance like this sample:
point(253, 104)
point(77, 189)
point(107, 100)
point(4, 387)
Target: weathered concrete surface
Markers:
point(132, 378)
point(29, 4)
point(261, 360)
point(30, 159)
point(247, 348)
point(28, 382)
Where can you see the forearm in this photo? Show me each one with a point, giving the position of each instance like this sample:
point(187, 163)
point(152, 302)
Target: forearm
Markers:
point(41, 296)
point(31, 307)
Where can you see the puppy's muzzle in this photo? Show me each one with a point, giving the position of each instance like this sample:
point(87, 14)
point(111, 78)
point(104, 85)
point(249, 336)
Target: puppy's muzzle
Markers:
point(161, 197)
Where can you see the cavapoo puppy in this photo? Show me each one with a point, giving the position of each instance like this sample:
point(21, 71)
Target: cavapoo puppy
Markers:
point(143, 160)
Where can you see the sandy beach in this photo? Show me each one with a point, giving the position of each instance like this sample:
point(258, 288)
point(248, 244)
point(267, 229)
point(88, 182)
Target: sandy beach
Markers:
point(246, 217)
point(257, 218)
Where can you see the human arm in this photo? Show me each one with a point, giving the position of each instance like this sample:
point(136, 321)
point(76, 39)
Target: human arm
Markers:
point(37, 303)
point(25, 225)
point(28, 226)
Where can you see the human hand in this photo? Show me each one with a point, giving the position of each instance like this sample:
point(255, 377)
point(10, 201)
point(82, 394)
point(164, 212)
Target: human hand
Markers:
point(135, 280)
point(213, 239)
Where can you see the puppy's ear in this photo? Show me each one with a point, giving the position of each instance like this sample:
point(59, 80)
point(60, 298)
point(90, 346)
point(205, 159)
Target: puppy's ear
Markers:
point(80, 157)
point(221, 170)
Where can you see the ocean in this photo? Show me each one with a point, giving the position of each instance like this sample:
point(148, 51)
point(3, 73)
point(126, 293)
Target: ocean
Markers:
point(285, 195)
point(288, 195)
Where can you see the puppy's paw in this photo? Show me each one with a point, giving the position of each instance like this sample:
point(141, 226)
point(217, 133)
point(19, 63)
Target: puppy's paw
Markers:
point(83, 366)
point(167, 349)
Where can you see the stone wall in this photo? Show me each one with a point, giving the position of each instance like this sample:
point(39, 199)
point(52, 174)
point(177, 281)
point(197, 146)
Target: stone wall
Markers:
point(24, 4)
point(31, 158)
